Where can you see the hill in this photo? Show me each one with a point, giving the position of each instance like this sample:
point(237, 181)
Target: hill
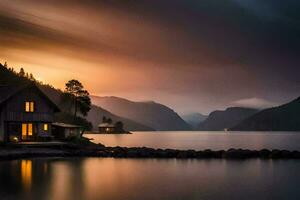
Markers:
point(194, 119)
point(152, 114)
point(281, 118)
point(220, 120)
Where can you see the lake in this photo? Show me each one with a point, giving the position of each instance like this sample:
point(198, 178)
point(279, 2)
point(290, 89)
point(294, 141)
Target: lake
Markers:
point(200, 140)
point(148, 179)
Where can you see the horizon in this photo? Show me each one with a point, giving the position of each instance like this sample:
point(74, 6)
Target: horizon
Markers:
point(167, 52)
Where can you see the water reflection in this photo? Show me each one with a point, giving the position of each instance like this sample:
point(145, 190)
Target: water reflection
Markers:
point(200, 140)
point(26, 173)
point(148, 179)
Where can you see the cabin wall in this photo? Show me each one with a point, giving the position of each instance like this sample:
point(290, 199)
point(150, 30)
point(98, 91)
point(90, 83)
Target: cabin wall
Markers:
point(15, 106)
point(41, 129)
point(72, 132)
point(1, 125)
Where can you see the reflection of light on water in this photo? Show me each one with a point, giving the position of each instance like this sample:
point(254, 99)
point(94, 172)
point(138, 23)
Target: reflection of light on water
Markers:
point(26, 171)
point(45, 168)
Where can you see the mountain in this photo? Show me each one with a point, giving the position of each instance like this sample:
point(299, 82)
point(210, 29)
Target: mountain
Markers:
point(152, 114)
point(282, 118)
point(194, 119)
point(220, 120)
point(10, 77)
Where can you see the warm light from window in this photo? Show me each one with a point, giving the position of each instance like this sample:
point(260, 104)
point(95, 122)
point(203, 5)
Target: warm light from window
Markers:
point(30, 129)
point(24, 131)
point(29, 106)
point(45, 127)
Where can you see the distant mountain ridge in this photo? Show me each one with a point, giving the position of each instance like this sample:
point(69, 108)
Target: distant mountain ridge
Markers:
point(281, 118)
point(150, 113)
point(194, 119)
point(225, 119)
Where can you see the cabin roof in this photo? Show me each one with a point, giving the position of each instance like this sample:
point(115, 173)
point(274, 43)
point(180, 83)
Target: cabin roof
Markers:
point(8, 91)
point(63, 125)
point(106, 125)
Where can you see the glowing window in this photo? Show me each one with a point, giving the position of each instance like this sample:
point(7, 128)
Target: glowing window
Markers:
point(46, 127)
point(24, 131)
point(30, 129)
point(29, 106)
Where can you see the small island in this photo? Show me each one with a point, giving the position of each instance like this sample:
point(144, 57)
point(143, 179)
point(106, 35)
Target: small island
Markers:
point(108, 127)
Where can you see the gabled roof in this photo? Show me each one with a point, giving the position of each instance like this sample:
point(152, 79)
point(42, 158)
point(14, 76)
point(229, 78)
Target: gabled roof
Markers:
point(8, 91)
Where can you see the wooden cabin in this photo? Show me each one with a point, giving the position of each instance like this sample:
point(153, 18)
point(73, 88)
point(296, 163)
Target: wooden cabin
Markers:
point(62, 130)
point(106, 128)
point(26, 113)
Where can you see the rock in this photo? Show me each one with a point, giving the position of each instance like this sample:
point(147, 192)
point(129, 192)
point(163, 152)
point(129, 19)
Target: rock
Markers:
point(295, 154)
point(144, 152)
point(275, 154)
point(264, 153)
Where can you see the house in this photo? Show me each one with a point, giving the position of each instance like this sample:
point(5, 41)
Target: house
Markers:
point(106, 128)
point(26, 113)
point(62, 130)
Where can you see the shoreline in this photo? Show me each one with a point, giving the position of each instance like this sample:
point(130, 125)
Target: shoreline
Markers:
point(97, 150)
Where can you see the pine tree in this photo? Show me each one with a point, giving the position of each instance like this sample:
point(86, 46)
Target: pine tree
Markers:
point(22, 72)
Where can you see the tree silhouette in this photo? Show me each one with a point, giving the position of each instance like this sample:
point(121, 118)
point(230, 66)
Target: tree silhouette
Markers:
point(31, 77)
point(80, 96)
point(22, 72)
point(119, 126)
point(109, 120)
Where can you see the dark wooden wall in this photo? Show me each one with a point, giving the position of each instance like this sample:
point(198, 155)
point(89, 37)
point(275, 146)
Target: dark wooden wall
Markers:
point(15, 107)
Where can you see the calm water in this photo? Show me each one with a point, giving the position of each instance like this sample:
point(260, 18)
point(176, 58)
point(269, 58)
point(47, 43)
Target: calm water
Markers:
point(151, 179)
point(204, 140)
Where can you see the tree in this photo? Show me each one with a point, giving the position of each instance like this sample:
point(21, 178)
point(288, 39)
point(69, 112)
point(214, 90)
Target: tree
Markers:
point(80, 97)
point(119, 126)
point(104, 119)
point(31, 77)
point(109, 121)
point(22, 72)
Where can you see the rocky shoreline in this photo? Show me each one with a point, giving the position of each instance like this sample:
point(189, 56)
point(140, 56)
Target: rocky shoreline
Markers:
point(71, 150)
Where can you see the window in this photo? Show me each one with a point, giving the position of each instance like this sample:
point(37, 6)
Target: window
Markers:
point(46, 127)
point(24, 131)
point(29, 106)
point(30, 130)
point(27, 131)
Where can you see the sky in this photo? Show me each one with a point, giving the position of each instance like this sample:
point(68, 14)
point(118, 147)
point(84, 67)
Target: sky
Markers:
point(191, 55)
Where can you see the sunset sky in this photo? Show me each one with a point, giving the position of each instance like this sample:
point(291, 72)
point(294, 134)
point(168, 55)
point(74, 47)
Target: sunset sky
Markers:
point(192, 55)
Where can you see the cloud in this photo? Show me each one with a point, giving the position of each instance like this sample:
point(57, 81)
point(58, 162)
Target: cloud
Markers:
point(254, 103)
point(207, 53)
